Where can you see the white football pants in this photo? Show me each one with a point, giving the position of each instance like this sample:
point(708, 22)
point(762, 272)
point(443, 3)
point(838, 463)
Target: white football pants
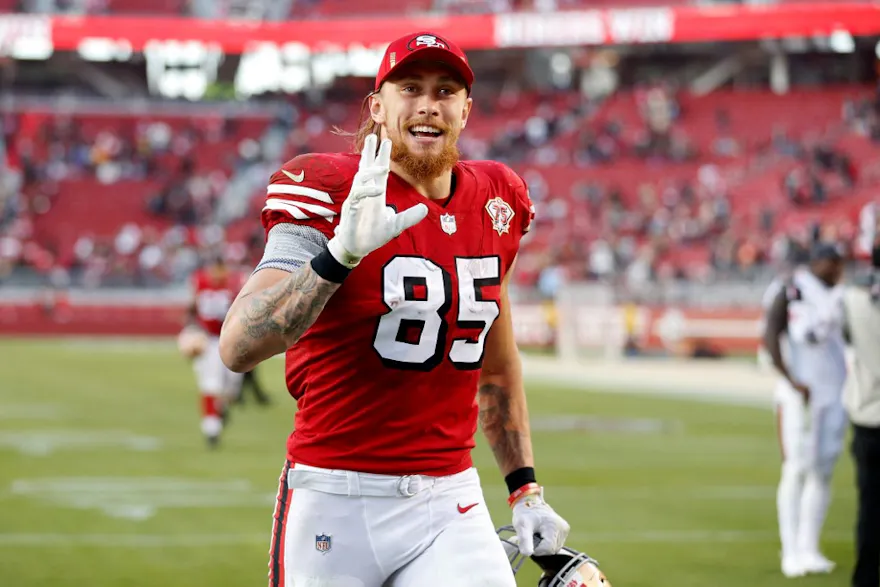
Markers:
point(344, 529)
point(811, 439)
point(212, 376)
point(214, 381)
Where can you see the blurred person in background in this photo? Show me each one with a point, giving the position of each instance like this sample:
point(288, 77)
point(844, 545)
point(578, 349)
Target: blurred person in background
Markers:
point(807, 311)
point(861, 397)
point(251, 381)
point(384, 279)
point(796, 259)
point(765, 361)
point(214, 287)
point(251, 253)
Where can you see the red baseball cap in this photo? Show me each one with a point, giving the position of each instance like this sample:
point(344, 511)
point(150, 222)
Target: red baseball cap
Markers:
point(424, 46)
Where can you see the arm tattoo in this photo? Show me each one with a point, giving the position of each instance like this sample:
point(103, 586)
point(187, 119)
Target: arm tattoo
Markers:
point(504, 428)
point(284, 311)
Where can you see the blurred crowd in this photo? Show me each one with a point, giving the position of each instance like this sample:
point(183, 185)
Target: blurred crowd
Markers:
point(686, 228)
point(181, 199)
point(587, 228)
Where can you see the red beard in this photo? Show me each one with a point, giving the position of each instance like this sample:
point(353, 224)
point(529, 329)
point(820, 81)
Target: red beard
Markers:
point(425, 167)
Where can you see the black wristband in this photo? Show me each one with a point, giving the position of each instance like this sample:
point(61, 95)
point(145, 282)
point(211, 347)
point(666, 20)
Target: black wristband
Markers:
point(520, 477)
point(327, 267)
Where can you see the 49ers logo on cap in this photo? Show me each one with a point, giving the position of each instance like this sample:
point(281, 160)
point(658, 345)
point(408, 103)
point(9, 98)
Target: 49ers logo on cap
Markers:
point(426, 41)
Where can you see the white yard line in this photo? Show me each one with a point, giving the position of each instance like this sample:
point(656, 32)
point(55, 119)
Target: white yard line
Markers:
point(46, 442)
point(692, 536)
point(731, 493)
point(132, 540)
point(671, 537)
point(30, 412)
point(226, 494)
point(728, 382)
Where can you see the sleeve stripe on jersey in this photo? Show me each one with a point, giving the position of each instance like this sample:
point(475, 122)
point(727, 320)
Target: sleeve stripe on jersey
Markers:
point(298, 190)
point(298, 209)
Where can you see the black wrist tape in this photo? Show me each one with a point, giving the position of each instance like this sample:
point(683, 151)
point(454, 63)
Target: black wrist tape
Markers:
point(327, 267)
point(520, 477)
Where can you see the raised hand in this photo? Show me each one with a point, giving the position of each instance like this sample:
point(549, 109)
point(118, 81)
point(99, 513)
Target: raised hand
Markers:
point(366, 223)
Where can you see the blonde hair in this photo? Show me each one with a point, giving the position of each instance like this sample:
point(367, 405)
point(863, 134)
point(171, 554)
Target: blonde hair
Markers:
point(366, 126)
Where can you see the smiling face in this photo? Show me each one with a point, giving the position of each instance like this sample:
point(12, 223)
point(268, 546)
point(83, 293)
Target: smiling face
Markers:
point(422, 109)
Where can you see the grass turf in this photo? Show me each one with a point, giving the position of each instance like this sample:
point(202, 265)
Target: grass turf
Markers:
point(105, 480)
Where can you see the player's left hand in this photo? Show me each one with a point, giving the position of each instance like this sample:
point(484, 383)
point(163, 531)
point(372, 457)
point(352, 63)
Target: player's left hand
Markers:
point(531, 516)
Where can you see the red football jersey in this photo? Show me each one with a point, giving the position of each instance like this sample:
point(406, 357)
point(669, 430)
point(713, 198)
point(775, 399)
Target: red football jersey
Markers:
point(213, 298)
point(386, 378)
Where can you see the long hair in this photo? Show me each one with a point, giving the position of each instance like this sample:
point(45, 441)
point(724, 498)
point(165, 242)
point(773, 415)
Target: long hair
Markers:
point(366, 126)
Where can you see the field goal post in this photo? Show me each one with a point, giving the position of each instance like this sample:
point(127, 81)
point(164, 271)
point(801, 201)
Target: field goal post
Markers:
point(590, 322)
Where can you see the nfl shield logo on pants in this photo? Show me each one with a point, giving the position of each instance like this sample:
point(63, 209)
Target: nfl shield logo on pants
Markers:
point(447, 223)
point(323, 543)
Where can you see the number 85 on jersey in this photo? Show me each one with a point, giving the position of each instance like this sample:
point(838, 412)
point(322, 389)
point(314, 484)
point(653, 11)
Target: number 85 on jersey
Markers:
point(418, 294)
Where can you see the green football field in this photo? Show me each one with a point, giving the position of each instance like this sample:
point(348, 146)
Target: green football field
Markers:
point(105, 479)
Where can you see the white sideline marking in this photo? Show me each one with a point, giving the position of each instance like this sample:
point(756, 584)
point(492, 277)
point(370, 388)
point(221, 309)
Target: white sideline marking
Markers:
point(125, 346)
point(30, 412)
point(141, 498)
point(132, 540)
point(587, 423)
point(120, 345)
point(45, 442)
point(691, 536)
point(204, 540)
point(725, 382)
point(692, 493)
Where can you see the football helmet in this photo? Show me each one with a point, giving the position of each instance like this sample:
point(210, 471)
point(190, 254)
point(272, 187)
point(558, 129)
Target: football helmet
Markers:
point(567, 568)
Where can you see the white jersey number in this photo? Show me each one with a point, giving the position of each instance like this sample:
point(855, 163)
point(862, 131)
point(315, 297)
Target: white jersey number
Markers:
point(418, 294)
point(213, 304)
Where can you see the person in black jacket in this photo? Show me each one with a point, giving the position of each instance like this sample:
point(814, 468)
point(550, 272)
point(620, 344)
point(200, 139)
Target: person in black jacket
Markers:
point(861, 398)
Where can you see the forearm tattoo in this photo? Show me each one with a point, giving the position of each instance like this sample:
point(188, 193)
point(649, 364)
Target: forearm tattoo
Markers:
point(505, 427)
point(285, 310)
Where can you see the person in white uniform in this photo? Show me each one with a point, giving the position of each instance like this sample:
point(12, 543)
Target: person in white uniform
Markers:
point(765, 362)
point(806, 316)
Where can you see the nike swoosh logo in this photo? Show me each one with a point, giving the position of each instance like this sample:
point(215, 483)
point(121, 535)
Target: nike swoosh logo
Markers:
point(467, 508)
point(297, 178)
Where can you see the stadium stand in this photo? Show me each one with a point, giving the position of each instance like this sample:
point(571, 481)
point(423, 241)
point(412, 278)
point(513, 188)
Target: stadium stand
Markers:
point(689, 186)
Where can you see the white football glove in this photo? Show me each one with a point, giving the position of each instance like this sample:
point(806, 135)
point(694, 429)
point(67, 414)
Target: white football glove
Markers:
point(365, 223)
point(532, 515)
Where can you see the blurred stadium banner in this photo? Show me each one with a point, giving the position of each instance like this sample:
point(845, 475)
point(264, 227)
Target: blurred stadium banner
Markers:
point(290, 57)
point(109, 38)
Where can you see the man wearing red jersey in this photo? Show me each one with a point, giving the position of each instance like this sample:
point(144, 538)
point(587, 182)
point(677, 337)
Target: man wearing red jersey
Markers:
point(214, 288)
point(384, 280)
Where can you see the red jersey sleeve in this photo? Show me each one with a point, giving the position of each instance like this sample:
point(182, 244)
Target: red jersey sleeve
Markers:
point(523, 208)
point(528, 208)
point(308, 190)
point(523, 205)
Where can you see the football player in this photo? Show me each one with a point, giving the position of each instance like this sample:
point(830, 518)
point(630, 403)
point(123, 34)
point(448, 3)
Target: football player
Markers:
point(807, 312)
point(384, 279)
point(214, 288)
